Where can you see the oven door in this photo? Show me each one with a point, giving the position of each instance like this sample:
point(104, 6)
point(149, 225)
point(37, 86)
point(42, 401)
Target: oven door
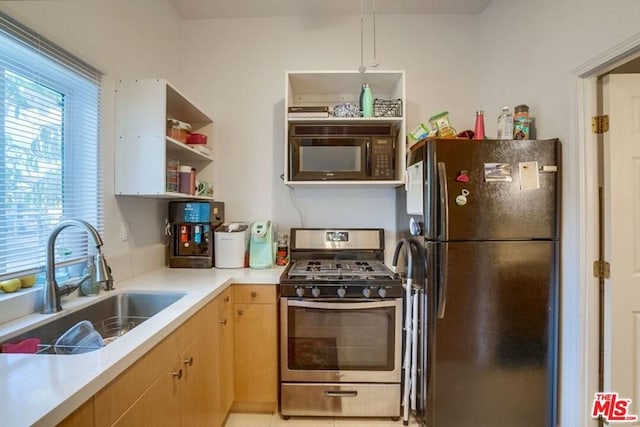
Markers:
point(330, 158)
point(340, 340)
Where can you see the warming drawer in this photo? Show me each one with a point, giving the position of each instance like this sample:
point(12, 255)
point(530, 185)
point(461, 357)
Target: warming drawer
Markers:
point(344, 400)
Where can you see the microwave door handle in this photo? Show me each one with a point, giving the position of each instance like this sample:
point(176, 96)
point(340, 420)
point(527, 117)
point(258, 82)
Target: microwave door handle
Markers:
point(367, 157)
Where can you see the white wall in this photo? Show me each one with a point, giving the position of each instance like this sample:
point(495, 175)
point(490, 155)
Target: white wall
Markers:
point(237, 70)
point(123, 39)
point(529, 51)
point(515, 52)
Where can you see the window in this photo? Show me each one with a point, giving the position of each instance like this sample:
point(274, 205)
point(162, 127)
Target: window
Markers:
point(49, 150)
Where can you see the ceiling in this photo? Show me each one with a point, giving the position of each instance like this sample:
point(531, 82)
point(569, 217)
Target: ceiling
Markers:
point(221, 9)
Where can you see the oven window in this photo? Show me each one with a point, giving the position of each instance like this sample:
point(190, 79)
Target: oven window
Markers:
point(341, 339)
point(323, 158)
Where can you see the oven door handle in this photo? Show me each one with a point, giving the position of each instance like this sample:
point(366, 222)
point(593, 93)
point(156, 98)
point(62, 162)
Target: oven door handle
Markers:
point(346, 305)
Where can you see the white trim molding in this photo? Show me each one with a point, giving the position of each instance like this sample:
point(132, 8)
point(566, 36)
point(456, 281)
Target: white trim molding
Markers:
point(579, 340)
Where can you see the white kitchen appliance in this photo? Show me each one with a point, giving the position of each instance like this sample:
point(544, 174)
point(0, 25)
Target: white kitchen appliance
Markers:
point(261, 246)
point(231, 241)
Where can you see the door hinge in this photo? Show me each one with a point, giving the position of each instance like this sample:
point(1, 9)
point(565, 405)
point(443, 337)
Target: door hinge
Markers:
point(600, 124)
point(601, 269)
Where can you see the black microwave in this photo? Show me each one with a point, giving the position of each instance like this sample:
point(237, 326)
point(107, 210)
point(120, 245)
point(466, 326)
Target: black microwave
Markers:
point(342, 152)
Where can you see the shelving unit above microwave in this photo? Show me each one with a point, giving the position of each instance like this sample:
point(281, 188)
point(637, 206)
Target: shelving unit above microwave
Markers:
point(332, 88)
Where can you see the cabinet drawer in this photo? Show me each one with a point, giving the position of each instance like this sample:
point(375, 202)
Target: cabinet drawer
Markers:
point(258, 294)
point(348, 400)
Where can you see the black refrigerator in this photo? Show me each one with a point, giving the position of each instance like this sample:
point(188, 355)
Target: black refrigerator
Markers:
point(487, 213)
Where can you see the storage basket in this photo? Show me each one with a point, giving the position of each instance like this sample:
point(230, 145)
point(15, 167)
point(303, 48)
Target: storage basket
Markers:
point(387, 107)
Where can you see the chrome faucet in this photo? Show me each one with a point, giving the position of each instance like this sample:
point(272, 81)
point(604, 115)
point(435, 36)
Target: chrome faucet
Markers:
point(51, 292)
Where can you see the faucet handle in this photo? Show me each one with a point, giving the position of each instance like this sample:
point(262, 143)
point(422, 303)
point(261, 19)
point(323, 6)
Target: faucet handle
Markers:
point(103, 271)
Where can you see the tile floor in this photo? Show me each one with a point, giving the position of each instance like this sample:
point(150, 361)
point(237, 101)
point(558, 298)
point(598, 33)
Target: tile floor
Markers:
point(274, 420)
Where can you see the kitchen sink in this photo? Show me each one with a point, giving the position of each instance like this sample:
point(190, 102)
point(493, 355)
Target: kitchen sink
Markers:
point(112, 317)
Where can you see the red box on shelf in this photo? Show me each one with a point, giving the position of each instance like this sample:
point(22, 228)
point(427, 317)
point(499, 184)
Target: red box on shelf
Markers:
point(196, 138)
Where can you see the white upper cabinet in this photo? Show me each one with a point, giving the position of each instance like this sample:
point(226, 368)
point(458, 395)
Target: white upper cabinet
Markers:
point(143, 147)
point(331, 88)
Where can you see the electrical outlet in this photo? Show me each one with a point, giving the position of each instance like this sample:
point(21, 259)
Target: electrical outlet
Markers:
point(124, 231)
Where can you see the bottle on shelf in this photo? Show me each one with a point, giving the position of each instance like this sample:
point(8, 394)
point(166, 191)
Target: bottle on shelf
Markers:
point(521, 122)
point(366, 101)
point(478, 129)
point(184, 179)
point(282, 251)
point(505, 124)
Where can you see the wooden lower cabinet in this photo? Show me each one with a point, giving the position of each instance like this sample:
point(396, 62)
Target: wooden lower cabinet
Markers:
point(256, 352)
point(222, 358)
point(226, 365)
point(81, 417)
point(159, 405)
point(174, 384)
point(199, 387)
point(152, 373)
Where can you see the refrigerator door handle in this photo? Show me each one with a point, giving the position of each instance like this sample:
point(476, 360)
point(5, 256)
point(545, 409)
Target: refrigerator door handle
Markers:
point(442, 282)
point(444, 202)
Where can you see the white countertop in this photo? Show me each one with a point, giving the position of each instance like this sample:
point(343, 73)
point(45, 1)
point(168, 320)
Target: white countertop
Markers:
point(42, 390)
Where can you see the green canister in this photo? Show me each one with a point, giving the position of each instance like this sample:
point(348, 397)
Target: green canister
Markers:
point(366, 101)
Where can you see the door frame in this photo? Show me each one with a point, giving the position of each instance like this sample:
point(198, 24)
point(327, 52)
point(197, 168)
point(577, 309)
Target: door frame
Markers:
point(579, 330)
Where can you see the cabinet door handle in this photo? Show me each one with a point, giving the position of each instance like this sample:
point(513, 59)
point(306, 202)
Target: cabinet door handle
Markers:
point(224, 322)
point(254, 294)
point(226, 299)
point(240, 312)
point(188, 361)
point(177, 374)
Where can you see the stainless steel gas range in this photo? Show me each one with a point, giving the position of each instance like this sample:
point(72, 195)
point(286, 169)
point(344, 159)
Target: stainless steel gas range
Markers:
point(340, 326)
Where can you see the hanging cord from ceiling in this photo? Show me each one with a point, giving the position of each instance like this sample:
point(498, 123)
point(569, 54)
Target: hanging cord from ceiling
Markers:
point(374, 61)
point(362, 68)
point(295, 204)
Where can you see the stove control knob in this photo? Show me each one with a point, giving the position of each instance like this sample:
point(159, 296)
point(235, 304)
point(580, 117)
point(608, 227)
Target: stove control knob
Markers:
point(342, 292)
point(315, 292)
point(382, 292)
point(300, 291)
point(366, 292)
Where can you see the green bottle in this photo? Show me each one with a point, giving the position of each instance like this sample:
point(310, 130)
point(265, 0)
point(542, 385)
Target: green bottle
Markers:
point(366, 101)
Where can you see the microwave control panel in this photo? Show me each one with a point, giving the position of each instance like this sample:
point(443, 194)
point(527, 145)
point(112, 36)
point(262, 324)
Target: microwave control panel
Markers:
point(383, 158)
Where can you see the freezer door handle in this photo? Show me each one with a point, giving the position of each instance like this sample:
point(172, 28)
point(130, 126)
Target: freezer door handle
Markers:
point(444, 202)
point(443, 268)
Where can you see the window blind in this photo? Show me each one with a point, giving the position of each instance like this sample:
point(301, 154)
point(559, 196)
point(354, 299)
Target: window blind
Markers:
point(49, 150)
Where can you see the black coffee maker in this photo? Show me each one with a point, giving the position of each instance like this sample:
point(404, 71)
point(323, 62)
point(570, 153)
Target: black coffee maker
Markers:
point(191, 224)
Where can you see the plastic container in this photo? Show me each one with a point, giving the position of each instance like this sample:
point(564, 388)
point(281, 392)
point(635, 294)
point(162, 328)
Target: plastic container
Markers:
point(184, 180)
point(178, 130)
point(366, 101)
point(521, 122)
point(196, 138)
point(505, 124)
point(80, 338)
point(282, 252)
point(172, 175)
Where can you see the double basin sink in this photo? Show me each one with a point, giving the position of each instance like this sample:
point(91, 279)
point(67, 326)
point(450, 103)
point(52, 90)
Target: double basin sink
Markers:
point(112, 317)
